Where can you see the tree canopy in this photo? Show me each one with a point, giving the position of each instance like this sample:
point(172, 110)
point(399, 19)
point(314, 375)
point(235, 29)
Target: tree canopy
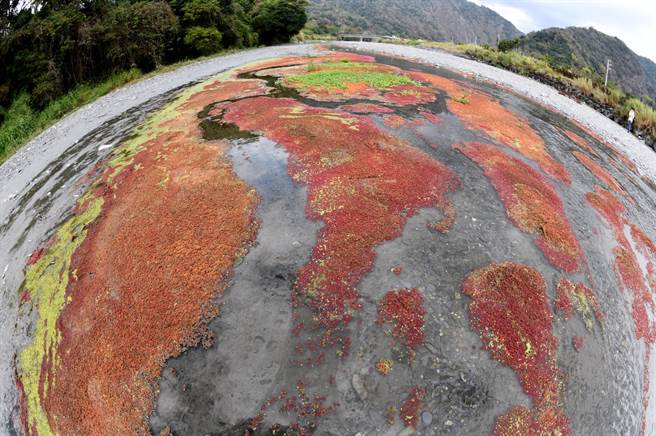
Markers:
point(276, 21)
point(54, 45)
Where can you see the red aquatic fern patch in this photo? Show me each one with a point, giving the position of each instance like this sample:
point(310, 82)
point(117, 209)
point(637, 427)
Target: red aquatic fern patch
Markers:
point(509, 309)
point(431, 117)
point(304, 409)
point(411, 408)
point(570, 296)
point(620, 156)
point(531, 203)
point(404, 309)
point(580, 142)
point(627, 265)
point(366, 108)
point(363, 184)
point(517, 421)
point(577, 343)
point(480, 111)
point(629, 273)
point(409, 95)
point(220, 91)
point(601, 174)
point(394, 121)
point(563, 302)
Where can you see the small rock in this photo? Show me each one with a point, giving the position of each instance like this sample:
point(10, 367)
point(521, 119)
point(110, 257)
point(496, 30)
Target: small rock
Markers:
point(358, 387)
point(426, 418)
point(448, 423)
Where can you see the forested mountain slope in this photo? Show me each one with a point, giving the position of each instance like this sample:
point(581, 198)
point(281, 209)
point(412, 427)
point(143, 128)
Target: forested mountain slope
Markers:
point(587, 47)
point(438, 20)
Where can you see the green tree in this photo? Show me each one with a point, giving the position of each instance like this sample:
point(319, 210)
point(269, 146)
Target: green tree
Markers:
point(276, 21)
point(153, 22)
point(508, 44)
point(201, 13)
point(203, 40)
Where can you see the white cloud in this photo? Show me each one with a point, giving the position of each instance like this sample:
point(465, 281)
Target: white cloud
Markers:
point(522, 20)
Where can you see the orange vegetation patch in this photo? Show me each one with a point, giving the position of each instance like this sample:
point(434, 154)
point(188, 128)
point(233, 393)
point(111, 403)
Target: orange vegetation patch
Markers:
point(405, 310)
point(394, 121)
point(363, 184)
point(366, 108)
point(411, 408)
point(616, 152)
point(580, 142)
point(305, 60)
point(384, 366)
point(600, 173)
point(219, 91)
point(480, 111)
point(407, 95)
point(531, 203)
point(510, 310)
point(172, 225)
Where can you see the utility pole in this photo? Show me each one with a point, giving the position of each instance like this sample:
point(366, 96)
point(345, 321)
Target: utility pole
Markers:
point(608, 66)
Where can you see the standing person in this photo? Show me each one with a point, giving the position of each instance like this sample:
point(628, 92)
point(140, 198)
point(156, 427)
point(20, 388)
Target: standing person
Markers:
point(629, 125)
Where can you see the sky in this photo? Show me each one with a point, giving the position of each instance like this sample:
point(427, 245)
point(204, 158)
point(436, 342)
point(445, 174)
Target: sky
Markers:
point(633, 21)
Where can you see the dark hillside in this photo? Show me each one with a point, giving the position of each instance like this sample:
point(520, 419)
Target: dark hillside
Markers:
point(437, 20)
point(581, 47)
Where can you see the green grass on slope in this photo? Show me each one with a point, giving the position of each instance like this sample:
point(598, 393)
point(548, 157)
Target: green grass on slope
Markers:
point(22, 122)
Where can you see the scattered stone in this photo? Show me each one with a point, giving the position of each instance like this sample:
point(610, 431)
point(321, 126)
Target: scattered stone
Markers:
point(448, 423)
point(427, 418)
point(358, 387)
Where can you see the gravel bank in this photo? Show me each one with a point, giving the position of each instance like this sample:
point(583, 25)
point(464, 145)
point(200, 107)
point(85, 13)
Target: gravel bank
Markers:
point(643, 156)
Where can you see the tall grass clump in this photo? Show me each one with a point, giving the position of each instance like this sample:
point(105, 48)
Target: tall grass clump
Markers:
point(584, 84)
point(645, 115)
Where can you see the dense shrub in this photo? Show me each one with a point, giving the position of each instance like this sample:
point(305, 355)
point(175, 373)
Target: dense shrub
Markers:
point(153, 22)
point(203, 40)
point(276, 21)
point(508, 44)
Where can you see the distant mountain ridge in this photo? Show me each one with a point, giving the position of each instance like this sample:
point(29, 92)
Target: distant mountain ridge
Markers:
point(581, 47)
point(437, 20)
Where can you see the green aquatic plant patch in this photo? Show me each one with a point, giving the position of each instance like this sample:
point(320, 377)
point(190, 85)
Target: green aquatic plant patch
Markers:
point(339, 79)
